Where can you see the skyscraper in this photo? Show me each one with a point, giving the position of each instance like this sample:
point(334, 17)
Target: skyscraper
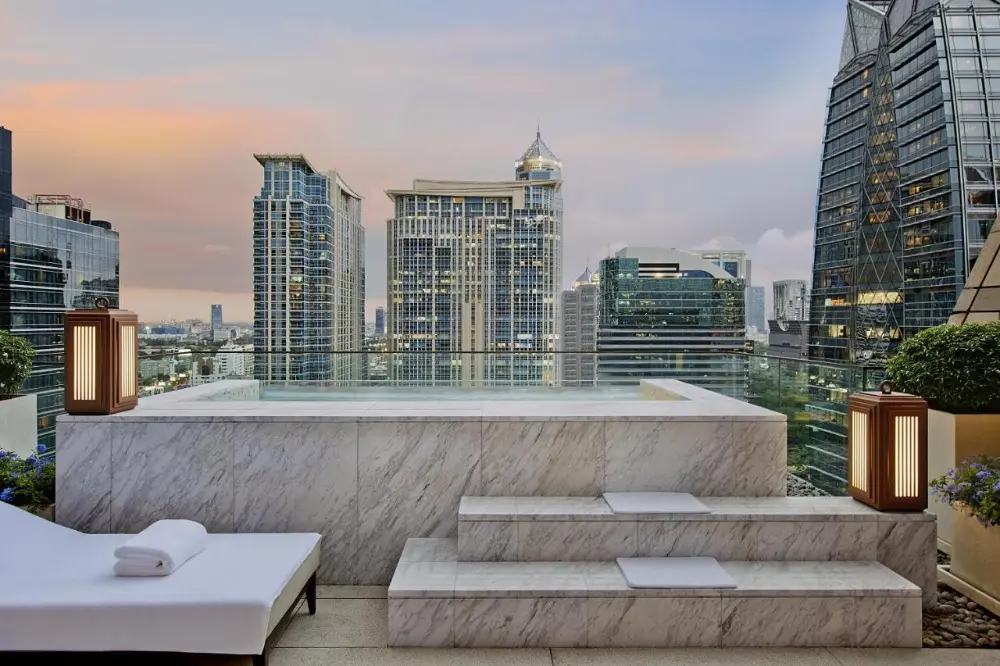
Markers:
point(757, 308)
point(908, 179)
point(791, 300)
point(379, 321)
point(216, 317)
point(474, 275)
point(53, 257)
point(577, 361)
point(308, 274)
point(669, 313)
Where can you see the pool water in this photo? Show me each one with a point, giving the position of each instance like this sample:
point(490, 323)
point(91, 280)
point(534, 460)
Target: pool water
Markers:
point(434, 393)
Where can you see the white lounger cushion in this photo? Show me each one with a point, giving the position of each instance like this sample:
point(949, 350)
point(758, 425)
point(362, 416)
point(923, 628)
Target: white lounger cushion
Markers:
point(64, 596)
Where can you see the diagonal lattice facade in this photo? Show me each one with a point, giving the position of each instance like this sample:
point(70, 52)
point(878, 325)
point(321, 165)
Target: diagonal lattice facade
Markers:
point(908, 188)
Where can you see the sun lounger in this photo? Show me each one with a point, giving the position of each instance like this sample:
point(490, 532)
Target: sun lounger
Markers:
point(60, 594)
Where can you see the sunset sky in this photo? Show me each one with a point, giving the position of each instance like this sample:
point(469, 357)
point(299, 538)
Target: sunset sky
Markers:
point(680, 123)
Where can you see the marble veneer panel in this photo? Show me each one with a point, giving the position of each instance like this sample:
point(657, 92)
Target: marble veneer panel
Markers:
point(421, 623)
point(670, 456)
point(83, 475)
point(520, 622)
point(487, 541)
point(788, 622)
point(653, 622)
point(172, 470)
point(760, 464)
point(725, 541)
point(301, 477)
point(411, 477)
point(547, 541)
point(525, 458)
point(816, 541)
point(909, 547)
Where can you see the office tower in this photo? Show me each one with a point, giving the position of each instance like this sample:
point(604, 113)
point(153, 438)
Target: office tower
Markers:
point(669, 313)
point(907, 183)
point(216, 317)
point(474, 276)
point(379, 321)
point(907, 189)
point(309, 288)
point(734, 262)
point(756, 308)
point(6, 175)
point(53, 257)
point(791, 300)
point(577, 361)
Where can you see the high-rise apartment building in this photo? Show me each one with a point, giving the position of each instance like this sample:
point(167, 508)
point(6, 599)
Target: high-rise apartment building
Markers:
point(474, 276)
point(216, 317)
point(791, 300)
point(309, 288)
point(379, 321)
point(757, 308)
point(577, 360)
point(909, 172)
point(53, 257)
point(669, 313)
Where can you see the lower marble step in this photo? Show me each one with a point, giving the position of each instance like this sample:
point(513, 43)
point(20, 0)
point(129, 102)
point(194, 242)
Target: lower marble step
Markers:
point(437, 601)
point(543, 529)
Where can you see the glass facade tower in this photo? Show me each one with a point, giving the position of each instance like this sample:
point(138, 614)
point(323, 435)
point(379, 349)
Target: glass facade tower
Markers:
point(669, 313)
point(308, 274)
point(53, 258)
point(474, 275)
point(907, 189)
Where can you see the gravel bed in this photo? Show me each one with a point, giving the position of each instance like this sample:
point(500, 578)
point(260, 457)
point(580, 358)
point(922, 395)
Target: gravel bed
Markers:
point(957, 622)
point(798, 487)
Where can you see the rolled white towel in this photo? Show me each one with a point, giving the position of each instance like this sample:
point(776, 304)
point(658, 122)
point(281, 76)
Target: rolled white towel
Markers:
point(161, 548)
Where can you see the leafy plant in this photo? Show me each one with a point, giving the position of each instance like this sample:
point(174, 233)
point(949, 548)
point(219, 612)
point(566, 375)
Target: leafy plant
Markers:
point(16, 355)
point(974, 487)
point(28, 482)
point(954, 368)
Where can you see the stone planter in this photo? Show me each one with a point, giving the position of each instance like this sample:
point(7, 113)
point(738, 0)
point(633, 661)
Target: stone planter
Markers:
point(19, 416)
point(975, 556)
point(952, 438)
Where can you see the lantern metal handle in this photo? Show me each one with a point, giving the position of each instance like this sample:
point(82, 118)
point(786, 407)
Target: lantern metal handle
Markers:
point(102, 303)
point(886, 387)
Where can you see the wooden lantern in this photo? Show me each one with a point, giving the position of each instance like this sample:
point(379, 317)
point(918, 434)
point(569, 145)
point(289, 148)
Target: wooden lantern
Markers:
point(887, 450)
point(102, 360)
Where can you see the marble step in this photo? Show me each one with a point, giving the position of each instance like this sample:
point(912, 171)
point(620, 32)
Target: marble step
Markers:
point(437, 601)
point(530, 529)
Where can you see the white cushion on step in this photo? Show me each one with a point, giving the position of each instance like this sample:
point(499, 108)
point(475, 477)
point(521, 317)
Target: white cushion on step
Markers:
point(654, 503)
point(674, 573)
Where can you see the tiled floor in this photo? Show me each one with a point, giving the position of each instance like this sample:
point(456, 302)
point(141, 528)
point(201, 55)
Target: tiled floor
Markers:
point(349, 629)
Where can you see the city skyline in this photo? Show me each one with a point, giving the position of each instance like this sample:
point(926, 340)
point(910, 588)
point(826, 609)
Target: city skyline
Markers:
point(157, 121)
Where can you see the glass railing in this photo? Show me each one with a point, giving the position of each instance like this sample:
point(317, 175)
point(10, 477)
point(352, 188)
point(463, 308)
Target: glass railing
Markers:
point(813, 395)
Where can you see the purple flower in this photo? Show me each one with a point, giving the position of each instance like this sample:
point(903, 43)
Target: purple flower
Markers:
point(982, 475)
point(6, 495)
point(42, 448)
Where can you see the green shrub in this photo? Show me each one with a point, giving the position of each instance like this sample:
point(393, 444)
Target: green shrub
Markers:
point(28, 482)
point(954, 368)
point(16, 355)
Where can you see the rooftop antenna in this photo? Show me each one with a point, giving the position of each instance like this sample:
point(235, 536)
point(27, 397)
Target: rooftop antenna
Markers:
point(538, 127)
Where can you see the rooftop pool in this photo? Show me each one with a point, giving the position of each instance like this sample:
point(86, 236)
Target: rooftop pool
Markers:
point(306, 393)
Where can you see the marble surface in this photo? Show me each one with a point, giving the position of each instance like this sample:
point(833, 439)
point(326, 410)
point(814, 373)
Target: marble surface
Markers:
point(172, 470)
point(83, 476)
point(411, 477)
point(910, 549)
point(694, 458)
point(487, 541)
point(301, 478)
point(830, 540)
point(543, 458)
point(545, 541)
point(760, 459)
point(549, 604)
point(722, 540)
